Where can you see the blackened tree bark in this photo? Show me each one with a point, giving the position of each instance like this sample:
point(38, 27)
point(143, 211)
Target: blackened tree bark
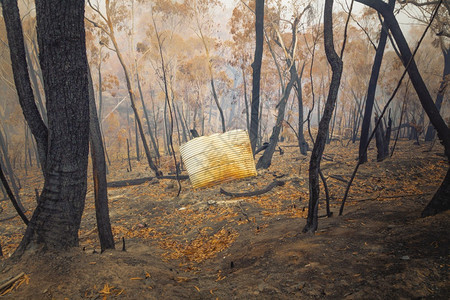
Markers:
point(247, 110)
point(30, 111)
point(256, 66)
point(387, 136)
point(302, 144)
point(266, 159)
point(429, 136)
point(99, 175)
point(416, 79)
point(372, 89)
point(440, 201)
point(382, 139)
point(61, 37)
point(336, 66)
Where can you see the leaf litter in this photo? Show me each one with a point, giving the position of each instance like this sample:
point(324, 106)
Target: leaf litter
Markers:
point(251, 247)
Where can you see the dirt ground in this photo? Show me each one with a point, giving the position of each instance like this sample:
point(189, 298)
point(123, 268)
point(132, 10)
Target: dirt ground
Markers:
point(205, 245)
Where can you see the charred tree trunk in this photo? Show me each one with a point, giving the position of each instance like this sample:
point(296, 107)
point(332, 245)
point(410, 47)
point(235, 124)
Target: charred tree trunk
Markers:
point(30, 111)
point(266, 159)
point(438, 200)
point(380, 142)
point(183, 127)
point(256, 66)
point(61, 37)
point(387, 136)
point(416, 79)
point(99, 175)
point(441, 199)
point(372, 88)
point(429, 136)
point(247, 109)
point(302, 144)
point(314, 165)
point(136, 135)
point(34, 81)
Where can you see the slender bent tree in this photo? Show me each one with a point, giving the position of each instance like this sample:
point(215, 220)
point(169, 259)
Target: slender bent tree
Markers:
point(62, 54)
point(22, 82)
point(314, 165)
point(99, 174)
point(256, 66)
point(440, 200)
point(372, 88)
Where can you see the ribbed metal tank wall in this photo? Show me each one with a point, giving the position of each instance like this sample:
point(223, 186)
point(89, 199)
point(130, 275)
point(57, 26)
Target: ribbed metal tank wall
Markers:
point(217, 158)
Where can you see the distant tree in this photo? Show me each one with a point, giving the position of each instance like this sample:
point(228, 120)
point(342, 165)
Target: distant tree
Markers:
point(198, 11)
point(114, 16)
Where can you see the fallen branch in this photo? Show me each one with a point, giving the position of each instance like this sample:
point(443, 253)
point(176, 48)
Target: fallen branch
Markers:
point(122, 183)
point(327, 157)
point(8, 218)
point(243, 212)
point(137, 181)
point(253, 193)
point(8, 283)
point(389, 197)
point(338, 177)
point(88, 233)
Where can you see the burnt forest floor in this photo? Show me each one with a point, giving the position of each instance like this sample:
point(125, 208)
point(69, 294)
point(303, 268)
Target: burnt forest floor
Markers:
point(205, 245)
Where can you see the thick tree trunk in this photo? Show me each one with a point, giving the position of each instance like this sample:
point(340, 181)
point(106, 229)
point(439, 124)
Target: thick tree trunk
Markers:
point(441, 200)
point(314, 165)
point(372, 88)
point(61, 36)
point(99, 175)
point(440, 96)
point(256, 66)
point(30, 111)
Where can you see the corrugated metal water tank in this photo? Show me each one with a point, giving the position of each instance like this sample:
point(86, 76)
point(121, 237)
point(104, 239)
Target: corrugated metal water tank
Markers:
point(217, 158)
